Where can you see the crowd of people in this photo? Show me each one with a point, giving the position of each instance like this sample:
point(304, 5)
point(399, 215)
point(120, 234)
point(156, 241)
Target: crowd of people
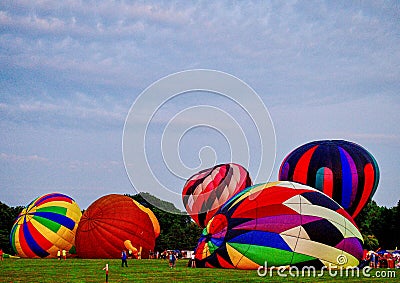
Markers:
point(381, 259)
point(171, 255)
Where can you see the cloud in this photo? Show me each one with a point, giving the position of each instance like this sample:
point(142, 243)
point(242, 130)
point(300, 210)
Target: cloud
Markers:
point(106, 166)
point(23, 158)
point(80, 110)
point(70, 165)
point(297, 48)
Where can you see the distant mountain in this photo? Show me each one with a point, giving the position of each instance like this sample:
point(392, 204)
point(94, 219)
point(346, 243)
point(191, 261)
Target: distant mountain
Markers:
point(151, 201)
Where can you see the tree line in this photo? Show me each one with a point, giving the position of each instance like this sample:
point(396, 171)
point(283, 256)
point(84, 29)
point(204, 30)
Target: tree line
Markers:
point(380, 226)
point(7, 218)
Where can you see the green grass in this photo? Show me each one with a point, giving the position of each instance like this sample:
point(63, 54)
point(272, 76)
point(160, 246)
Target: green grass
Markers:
point(86, 270)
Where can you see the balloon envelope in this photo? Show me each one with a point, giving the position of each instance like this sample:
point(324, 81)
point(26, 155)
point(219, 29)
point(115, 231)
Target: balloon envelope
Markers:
point(342, 170)
point(108, 223)
point(46, 225)
point(281, 223)
point(208, 190)
point(152, 216)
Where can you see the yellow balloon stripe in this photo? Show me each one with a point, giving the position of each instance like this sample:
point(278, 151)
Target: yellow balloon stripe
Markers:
point(74, 213)
point(57, 203)
point(239, 260)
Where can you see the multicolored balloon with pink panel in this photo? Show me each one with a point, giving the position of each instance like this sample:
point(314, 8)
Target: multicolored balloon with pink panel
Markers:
point(343, 170)
point(280, 224)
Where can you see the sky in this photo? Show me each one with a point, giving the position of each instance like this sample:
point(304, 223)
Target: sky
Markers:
point(71, 71)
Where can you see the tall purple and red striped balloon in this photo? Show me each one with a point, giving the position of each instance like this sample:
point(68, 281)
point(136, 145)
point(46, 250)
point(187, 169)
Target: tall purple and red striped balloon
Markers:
point(209, 189)
point(343, 170)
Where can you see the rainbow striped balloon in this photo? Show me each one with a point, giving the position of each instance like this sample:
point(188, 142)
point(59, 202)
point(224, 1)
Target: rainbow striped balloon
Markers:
point(46, 225)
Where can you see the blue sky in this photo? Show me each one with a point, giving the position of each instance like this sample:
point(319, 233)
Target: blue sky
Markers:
point(70, 70)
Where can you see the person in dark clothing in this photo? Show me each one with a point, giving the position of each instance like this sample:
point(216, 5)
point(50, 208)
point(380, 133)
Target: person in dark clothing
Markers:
point(172, 259)
point(124, 259)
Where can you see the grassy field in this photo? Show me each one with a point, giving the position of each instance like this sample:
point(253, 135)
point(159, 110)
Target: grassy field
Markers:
point(85, 270)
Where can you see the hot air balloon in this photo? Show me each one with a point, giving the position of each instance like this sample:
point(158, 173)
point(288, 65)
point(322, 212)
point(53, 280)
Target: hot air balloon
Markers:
point(207, 190)
point(46, 225)
point(152, 216)
point(342, 170)
point(113, 223)
point(282, 223)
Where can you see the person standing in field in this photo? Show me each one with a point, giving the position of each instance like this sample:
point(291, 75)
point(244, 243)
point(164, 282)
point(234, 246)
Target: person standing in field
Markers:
point(59, 255)
point(123, 258)
point(64, 254)
point(193, 262)
point(172, 259)
point(106, 269)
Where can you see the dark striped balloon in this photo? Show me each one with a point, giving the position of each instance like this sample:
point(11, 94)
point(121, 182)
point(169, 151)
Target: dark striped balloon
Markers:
point(208, 190)
point(341, 169)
